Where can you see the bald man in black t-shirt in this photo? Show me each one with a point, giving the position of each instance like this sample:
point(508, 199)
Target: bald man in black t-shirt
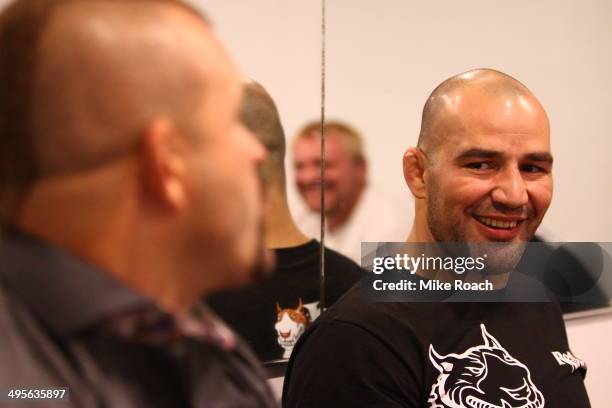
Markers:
point(482, 172)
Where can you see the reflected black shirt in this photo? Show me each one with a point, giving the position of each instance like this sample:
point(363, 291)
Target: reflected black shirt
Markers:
point(272, 315)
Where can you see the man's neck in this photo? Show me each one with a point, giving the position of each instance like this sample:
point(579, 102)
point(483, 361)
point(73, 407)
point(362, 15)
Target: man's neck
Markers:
point(281, 230)
point(103, 233)
point(420, 232)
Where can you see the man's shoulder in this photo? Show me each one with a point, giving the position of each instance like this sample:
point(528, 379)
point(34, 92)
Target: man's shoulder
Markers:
point(22, 344)
point(355, 342)
point(386, 320)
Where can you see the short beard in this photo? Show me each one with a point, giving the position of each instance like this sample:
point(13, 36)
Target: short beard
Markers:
point(442, 230)
point(503, 257)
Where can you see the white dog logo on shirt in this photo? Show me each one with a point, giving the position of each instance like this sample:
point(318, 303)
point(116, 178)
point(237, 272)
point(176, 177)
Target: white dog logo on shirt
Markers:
point(291, 323)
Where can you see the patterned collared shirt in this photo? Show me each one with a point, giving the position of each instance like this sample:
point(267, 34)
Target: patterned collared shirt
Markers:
point(65, 323)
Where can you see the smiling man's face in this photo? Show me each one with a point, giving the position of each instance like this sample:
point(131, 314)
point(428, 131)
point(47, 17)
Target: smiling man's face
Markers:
point(344, 174)
point(489, 179)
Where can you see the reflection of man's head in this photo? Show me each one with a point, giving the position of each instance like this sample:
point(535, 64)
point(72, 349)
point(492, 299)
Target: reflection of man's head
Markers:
point(345, 165)
point(120, 141)
point(482, 171)
point(259, 114)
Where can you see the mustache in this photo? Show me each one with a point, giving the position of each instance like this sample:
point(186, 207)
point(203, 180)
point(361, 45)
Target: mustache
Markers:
point(502, 210)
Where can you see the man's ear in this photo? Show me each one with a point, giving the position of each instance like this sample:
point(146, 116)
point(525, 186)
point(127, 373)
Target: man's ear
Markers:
point(414, 171)
point(164, 166)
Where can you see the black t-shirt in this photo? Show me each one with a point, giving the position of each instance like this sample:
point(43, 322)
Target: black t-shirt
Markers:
point(272, 315)
point(438, 355)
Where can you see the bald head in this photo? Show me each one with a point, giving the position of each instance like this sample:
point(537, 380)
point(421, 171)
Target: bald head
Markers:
point(259, 114)
point(462, 97)
point(92, 75)
point(483, 161)
point(106, 69)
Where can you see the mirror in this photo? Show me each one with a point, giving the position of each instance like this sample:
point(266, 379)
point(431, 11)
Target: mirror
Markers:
point(383, 62)
point(278, 45)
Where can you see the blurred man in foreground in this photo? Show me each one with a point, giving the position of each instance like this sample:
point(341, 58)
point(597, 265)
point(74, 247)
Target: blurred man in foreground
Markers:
point(128, 191)
point(481, 173)
point(354, 210)
point(273, 314)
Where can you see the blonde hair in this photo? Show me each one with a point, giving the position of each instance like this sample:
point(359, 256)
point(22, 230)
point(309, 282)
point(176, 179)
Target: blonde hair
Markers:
point(351, 138)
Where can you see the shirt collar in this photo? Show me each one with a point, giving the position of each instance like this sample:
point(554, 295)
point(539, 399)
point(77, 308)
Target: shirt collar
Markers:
point(65, 293)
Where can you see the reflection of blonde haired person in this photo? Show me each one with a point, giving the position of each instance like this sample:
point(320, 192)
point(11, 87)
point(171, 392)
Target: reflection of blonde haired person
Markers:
point(354, 211)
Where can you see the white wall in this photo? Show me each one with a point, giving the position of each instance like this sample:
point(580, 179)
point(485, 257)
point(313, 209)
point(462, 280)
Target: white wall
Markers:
point(590, 341)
